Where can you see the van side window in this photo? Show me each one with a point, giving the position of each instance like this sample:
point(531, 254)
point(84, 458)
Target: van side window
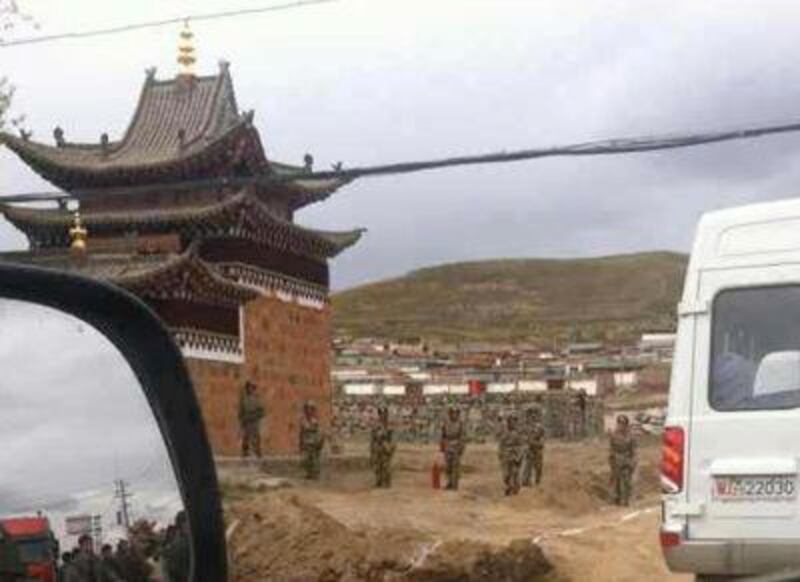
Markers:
point(755, 349)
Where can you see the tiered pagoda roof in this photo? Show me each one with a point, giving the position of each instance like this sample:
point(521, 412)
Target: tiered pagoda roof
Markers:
point(153, 225)
point(183, 128)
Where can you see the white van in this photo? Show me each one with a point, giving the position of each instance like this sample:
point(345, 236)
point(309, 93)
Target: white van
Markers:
point(732, 443)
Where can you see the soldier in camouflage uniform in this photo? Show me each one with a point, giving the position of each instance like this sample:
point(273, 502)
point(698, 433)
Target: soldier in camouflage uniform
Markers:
point(452, 444)
point(311, 441)
point(534, 446)
point(511, 450)
point(381, 449)
point(251, 412)
point(582, 403)
point(622, 460)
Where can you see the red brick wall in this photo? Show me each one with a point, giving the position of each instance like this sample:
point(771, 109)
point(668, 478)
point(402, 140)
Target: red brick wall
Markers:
point(217, 387)
point(287, 355)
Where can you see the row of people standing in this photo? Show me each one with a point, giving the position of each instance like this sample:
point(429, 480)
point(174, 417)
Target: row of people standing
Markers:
point(568, 415)
point(521, 446)
point(310, 436)
point(129, 563)
point(521, 451)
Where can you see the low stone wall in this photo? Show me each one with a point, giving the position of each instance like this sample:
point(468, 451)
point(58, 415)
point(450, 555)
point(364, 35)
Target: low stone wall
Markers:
point(418, 419)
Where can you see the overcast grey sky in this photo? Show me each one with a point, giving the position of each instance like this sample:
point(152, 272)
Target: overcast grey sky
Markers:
point(73, 419)
point(376, 81)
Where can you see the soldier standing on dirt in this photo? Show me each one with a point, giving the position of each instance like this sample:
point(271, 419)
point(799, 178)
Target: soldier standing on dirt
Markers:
point(510, 451)
point(581, 399)
point(622, 459)
point(311, 441)
point(381, 449)
point(251, 412)
point(534, 434)
point(452, 444)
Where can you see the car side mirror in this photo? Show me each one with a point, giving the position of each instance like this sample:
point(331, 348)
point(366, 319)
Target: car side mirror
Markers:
point(104, 448)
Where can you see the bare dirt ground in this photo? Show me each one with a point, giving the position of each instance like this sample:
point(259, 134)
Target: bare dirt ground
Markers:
point(342, 529)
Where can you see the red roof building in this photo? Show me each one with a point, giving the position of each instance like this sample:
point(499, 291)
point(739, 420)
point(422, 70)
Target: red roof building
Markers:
point(243, 288)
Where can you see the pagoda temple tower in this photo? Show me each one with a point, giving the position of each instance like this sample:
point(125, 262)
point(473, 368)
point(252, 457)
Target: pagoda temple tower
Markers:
point(241, 286)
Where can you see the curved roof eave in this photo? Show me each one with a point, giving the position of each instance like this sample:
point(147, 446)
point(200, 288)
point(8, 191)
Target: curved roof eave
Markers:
point(30, 219)
point(215, 285)
point(42, 159)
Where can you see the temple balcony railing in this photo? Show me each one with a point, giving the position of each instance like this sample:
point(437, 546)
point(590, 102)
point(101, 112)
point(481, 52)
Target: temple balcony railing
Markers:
point(206, 345)
point(283, 287)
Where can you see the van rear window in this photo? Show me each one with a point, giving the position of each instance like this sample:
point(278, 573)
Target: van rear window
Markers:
point(755, 349)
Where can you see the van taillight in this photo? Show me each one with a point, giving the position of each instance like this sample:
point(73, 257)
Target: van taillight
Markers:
point(669, 539)
point(672, 452)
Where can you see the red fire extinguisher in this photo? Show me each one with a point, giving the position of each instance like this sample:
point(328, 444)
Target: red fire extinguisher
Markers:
point(436, 474)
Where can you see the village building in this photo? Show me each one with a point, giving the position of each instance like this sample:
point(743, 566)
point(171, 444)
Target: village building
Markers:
point(241, 286)
point(583, 348)
point(660, 345)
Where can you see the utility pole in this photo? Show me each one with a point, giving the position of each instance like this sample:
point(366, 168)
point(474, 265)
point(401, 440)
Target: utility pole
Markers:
point(97, 531)
point(123, 495)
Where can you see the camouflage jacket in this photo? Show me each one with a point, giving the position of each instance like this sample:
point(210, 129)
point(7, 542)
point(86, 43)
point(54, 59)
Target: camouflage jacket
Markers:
point(622, 450)
point(510, 445)
point(250, 408)
point(311, 438)
point(381, 443)
point(453, 436)
point(534, 434)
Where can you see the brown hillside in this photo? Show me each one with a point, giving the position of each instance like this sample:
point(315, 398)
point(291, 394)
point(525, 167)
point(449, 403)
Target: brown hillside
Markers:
point(609, 298)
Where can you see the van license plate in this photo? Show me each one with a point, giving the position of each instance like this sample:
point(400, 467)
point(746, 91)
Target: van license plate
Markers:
point(755, 488)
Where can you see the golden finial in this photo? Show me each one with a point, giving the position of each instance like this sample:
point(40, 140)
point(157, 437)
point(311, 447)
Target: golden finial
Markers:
point(78, 234)
point(186, 56)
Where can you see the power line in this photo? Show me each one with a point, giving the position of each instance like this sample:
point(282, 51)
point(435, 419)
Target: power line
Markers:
point(159, 23)
point(592, 148)
point(604, 147)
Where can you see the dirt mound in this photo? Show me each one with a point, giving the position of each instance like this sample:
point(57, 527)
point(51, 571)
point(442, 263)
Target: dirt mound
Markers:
point(584, 472)
point(591, 489)
point(279, 537)
point(470, 561)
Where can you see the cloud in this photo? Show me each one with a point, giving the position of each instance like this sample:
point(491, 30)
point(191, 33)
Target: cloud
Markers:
point(374, 82)
point(74, 419)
